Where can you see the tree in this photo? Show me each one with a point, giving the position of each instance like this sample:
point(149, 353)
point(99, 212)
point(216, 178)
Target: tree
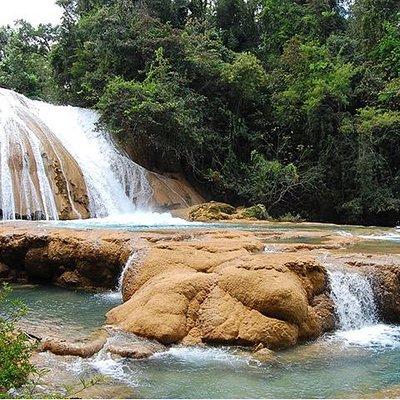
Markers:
point(24, 59)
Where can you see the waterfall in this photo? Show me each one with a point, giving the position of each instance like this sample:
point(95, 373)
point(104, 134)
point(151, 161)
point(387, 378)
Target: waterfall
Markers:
point(354, 299)
point(116, 185)
point(44, 147)
point(25, 187)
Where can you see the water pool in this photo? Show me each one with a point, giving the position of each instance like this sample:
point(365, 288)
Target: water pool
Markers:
point(354, 363)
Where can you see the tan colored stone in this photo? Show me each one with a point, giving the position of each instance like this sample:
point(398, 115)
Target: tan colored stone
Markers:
point(135, 350)
point(81, 349)
point(192, 287)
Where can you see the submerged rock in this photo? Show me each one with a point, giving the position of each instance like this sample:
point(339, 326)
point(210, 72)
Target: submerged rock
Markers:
point(63, 347)
point(264, 355)
point(135, 350)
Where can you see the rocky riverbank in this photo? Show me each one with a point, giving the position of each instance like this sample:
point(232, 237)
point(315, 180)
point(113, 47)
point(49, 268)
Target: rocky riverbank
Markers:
point(201, 286)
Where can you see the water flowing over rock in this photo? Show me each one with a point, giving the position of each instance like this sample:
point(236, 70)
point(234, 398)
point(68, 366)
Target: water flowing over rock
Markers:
point(39, 177)
point(185, 287)
point(354, 299)
point(56, 163)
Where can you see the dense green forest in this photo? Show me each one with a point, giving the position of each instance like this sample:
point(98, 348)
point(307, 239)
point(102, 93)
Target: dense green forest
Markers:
point(294, 104)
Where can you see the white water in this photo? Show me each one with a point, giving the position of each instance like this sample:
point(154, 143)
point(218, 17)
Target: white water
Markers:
point(16, 133)
point(116, 185)
point(128, 265)
point(127, 221)
point(357, 312)
point(354, 299)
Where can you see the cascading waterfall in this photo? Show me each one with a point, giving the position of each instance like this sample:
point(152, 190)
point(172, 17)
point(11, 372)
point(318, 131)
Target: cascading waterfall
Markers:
point(354, 299)
point(21, 147)
point(116, 185)
point(42, 146)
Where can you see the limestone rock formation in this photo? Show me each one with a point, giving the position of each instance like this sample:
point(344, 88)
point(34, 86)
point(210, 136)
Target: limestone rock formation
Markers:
point(81, 349)
point(212, 211)
point(197, 286)
point(221, 288)
point(75, 259)
point(171, 192)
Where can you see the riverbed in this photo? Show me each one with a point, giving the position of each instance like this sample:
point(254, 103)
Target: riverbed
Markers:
point(360, 359)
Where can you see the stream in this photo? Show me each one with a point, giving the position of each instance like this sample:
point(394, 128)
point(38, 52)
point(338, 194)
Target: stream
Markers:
point(360, 359)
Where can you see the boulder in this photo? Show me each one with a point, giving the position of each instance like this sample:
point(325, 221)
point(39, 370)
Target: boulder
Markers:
point(212, 211)
point(220, 287)
point(81, 349)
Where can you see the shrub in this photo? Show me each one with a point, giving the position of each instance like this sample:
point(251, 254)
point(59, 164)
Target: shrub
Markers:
point(257, 211)
point(15, 347)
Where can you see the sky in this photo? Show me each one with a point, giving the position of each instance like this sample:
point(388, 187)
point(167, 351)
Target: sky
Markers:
point(34, 11)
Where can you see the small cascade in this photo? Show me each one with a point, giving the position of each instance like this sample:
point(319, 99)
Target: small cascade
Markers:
point(115, 296)
point(129, 263)
point(354, 299)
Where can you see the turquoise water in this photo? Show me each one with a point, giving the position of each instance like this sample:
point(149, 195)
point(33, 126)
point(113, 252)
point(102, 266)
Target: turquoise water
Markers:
point(63, 313)
point(142, 221)
point(355, 363)
point(347, 364)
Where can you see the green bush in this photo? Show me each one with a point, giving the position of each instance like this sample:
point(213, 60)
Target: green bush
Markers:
point(289, 217)
point(15, 346)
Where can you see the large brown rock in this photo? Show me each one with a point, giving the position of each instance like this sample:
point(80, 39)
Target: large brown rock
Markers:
point(187, 287)
point(78, 259)
point(212, 211)
point(220, 287)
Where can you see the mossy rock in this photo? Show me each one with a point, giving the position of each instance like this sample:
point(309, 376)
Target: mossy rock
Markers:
point(212, 211)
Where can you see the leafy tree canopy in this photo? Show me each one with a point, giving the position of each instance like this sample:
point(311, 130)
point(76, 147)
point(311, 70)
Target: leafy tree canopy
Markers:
point(291, 104)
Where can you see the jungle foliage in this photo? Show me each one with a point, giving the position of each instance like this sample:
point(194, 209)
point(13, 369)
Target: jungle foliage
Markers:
point(292, 104)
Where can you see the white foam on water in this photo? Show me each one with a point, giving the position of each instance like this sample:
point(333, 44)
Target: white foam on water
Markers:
point(354, 299)
point(372, 336)
point(127, 221)
point(105, 364)
point(271, 248)
point(393, 235)
point(390, 236)
point(109, 297)
point(344, 233)
point(138, 218)
point(201, 356)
